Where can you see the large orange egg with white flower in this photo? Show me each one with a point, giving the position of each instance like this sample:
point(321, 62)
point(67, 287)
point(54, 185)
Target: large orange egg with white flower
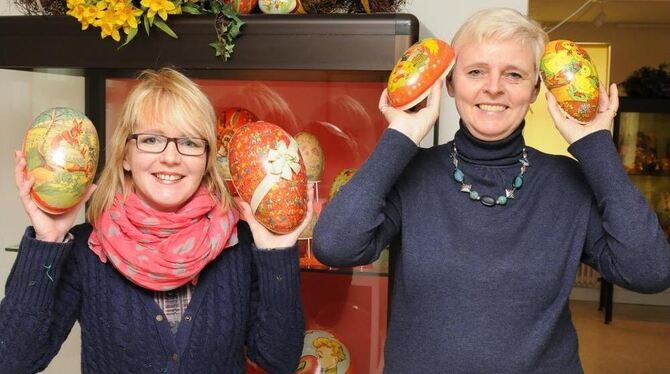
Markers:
point(420, 66)
point(61, 151)
point(569, 74)
point(269, 173)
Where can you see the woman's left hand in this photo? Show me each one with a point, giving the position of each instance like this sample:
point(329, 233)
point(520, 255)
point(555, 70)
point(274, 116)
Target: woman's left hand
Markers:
point(266, 239)
point(572, 130)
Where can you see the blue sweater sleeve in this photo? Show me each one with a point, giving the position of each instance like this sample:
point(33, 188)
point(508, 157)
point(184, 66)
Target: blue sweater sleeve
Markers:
point(364, 215)
point(276, 322)
point(625, 242)
point(41, 304)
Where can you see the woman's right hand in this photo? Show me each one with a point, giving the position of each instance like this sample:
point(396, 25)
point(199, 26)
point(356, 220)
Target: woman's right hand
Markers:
point(417, 124)
point(48, 227)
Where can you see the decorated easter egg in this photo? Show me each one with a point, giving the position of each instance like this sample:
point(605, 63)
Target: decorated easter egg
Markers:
point(269, 174)
point(340, 180)
point(277, 6)
point(571, 77)
point(227, 122)
point(242, 6)
point(323, 352)
point(419, 67)
point(312, 154)
point(61, 150)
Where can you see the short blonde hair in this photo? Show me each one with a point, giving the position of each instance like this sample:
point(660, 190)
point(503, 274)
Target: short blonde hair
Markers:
point(173, 99)
point(338, 352)
point(502, 24)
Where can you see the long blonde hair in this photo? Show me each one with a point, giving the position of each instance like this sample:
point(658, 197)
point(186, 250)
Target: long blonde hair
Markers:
point(169, 96)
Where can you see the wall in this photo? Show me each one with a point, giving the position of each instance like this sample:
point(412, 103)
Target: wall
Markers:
point(632, 46)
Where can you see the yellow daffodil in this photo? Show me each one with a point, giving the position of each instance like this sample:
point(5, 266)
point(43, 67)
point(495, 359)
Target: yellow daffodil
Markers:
point(162, 7)
point(127, 14)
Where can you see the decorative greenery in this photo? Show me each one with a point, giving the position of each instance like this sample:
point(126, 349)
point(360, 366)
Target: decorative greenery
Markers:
point(649, 82)
point(111, 16)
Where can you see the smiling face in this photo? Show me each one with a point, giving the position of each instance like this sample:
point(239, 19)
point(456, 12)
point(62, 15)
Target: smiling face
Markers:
point(167, 180)
point(493, 83)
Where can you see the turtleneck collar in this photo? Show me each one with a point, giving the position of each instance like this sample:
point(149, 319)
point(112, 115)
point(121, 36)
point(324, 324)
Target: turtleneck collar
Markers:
point(498, 152)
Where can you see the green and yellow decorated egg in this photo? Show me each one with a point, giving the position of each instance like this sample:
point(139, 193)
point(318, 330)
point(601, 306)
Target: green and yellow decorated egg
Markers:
point(341, 179)
point(61, 150)
point(569, 74)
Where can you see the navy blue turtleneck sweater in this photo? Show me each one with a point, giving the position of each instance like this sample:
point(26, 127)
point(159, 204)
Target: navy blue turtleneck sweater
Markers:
point(479, 289)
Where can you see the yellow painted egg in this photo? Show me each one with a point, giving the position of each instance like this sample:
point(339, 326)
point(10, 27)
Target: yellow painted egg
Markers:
point(420, 66)
point(340, 180)
point(312, 154)
point(269, 174)
point(61, 150)
point(569, 74)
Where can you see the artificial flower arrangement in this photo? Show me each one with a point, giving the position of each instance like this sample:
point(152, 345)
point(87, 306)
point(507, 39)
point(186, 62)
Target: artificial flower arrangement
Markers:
point(122, 19)
point(112, 16)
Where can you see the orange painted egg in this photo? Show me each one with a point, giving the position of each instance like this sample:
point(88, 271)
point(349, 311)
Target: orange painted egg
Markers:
point(242, 6)
point(312, 154)
point(61, 150)
point(269, 173)
point(227, 122)
point(419, 67)
point(341, 179)
point(569, 74)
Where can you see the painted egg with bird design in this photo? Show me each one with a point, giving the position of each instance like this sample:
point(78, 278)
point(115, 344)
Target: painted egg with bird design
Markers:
point(569, 74)
point(269, 174)
point(61, 150)
point(419, 67)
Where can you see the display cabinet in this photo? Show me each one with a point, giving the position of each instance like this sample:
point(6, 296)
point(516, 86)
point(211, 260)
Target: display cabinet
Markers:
point(322, 74)
point(642, 136)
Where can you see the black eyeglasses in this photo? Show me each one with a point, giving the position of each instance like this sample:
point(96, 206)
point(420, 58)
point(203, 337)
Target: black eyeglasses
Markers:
point(153, 143)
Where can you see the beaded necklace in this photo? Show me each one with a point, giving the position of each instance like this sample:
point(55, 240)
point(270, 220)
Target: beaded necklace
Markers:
point(486, 200)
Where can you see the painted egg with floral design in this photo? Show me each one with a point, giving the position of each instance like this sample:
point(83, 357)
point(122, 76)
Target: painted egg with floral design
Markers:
point(242, 6)
point(341, 179)
point(569, 74)
point(419, 67)
point(227, 122)
point(312, 154)
point(277, 6)
point(269, 174)
point(61, 150)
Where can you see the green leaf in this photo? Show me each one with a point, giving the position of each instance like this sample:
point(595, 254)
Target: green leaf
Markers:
point(164, 27)
point(129, 37)
point(190, 9)
point(147, 26)
point(217, 48)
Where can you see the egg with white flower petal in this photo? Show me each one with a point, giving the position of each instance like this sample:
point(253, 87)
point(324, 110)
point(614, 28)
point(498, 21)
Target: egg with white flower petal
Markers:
point(269, 174)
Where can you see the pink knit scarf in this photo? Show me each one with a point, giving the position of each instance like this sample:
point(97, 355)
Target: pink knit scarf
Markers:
point(163, 250)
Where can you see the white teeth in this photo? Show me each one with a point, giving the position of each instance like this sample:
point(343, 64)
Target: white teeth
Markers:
point(168, 177)
point(491, 108)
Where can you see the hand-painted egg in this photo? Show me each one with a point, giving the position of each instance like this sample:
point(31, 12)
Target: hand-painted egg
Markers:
point(61, 150)
point(312, 154)
point(323, 352)
point(571, 77)
point(419, 67)
point(227, 122)
point(341, 179)
point(242, 6)
point(277, 6)
point(269, 173)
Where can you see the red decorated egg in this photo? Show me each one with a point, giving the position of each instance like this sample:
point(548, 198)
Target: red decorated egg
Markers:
point(228, 121)
point(61, 150)
point(419, 67)
point(571, 77)
point(341, 179)
point(242, 6)
point(269, 173)
point(312, 154)
point(322, 352)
